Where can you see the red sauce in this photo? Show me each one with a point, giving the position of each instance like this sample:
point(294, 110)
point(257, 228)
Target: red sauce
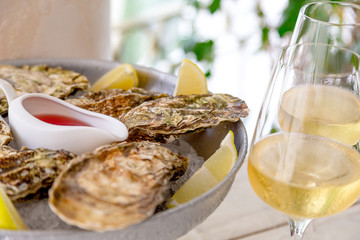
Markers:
point(60, 120)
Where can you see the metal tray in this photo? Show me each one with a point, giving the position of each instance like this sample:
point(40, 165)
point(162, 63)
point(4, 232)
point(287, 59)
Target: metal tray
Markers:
point(168, 224)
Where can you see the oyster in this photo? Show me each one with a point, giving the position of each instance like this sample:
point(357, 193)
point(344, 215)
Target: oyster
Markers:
point(5, 133)
point(26, 171)
point(114, 102)
point(115, 186)
point(56, 82)
point(160, 119)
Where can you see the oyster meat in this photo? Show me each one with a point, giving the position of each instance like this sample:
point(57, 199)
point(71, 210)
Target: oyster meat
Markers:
point(114, 102)
point(56, 82)
point(115, 186)
point(26, 171)
point(167, 117)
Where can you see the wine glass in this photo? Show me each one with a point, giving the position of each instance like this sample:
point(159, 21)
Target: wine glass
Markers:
point(336, 23)
point(302, 161)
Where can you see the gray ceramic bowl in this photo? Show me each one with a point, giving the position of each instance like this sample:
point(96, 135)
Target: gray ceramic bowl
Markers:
point(168, 224)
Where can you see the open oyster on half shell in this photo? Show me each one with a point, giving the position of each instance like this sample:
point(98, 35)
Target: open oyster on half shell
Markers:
point(114, 102)
point(116, 185)
point(167, 118)
point(56, 81)
point(27, 171)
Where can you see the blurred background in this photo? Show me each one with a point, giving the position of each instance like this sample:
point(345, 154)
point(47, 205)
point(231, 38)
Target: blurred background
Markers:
point(235, 42)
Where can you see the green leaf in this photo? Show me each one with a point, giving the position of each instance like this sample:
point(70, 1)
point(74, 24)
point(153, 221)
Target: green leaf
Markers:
point(355, 61)
point(214, 6)
point(274, 130)
point(208, 73)
point(204, 50)
point(259, 11)
point(195, 4)
point(264, 37)
point(290, 15)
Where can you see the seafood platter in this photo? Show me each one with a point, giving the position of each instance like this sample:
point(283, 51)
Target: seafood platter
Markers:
point(117, 190)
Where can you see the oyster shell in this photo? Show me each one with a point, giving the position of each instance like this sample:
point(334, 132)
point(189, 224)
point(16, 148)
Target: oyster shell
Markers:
point(56, 82)
point(114, 102)
point(26, 171)
point(167, 117)
point(5, 133)
point(115, 186)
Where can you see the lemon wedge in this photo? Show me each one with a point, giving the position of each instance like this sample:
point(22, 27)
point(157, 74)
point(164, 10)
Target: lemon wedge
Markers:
point(123, 76)
point(191, 80)
point(9, 217)
point(213, 171)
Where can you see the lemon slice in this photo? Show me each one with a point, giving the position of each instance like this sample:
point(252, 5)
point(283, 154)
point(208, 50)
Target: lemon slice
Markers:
point(123, 76)
point(191, 80)
point(9, 217)
point(213, 171)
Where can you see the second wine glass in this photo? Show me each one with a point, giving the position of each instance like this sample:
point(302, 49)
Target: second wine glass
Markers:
point(301, 160)
point(336, 23)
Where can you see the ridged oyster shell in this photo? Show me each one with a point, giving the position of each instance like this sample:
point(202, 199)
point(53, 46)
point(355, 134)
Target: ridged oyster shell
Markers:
point(116, 185)
point(56, 81)
point(167, 117)
point(5, 133)
point(26, 171)
point(114, 102)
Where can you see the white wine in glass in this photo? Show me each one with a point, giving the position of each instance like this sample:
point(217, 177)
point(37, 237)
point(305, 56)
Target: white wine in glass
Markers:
point(318, 177)
point(302, 161)
point(324, 110)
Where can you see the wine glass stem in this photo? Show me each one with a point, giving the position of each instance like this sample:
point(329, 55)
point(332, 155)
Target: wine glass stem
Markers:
point(297, 227)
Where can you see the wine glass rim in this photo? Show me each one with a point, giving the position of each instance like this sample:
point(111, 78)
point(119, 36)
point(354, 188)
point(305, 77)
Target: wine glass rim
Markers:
point(321, 44)
point(347, 4)
point(293, 46)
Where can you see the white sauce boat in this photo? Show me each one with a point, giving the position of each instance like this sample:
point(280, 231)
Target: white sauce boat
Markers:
point(32, 132)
